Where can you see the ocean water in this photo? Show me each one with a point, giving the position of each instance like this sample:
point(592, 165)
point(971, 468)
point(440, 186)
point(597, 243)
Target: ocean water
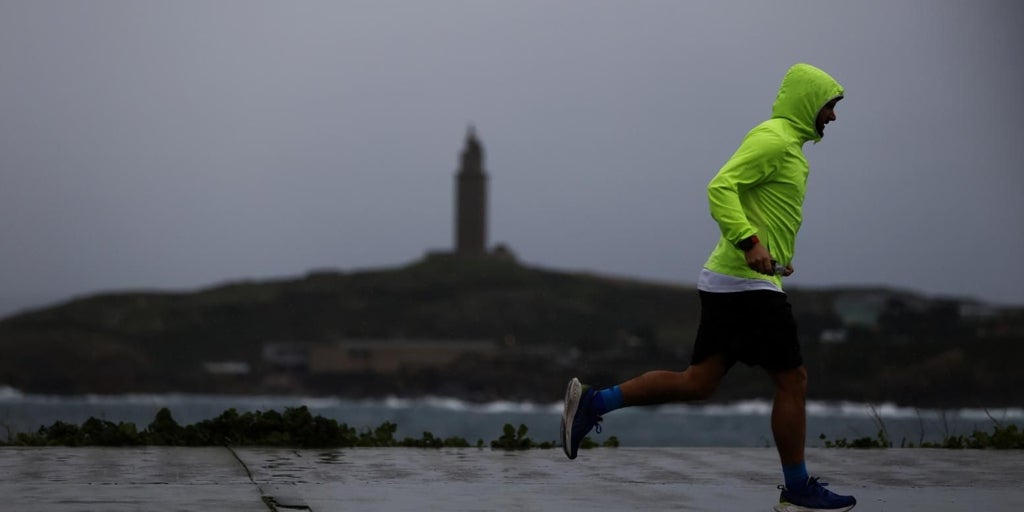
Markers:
point(738, 424)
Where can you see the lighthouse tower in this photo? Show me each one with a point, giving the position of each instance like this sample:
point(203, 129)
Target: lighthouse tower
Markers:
point(471, 199)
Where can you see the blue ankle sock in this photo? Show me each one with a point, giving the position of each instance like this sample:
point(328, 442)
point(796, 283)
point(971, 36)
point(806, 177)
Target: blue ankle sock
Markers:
point(607, 399)
point(796, 475)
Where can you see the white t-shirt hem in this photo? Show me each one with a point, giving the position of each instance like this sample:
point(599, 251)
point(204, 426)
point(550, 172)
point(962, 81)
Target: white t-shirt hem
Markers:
point(722, 283)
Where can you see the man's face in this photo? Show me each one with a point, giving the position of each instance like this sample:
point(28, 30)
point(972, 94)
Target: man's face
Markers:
point(826, 116)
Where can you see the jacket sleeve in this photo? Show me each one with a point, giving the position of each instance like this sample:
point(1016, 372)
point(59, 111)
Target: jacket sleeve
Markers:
point(752, 164)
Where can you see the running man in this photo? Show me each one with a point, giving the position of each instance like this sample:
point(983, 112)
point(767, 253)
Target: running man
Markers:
point(757, 200)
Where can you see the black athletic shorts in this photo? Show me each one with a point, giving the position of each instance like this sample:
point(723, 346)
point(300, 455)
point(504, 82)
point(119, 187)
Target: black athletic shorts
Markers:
point(755, 327)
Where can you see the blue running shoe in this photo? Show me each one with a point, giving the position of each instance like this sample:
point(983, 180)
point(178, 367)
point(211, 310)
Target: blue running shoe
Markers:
point(577, 418)
point(813, 497)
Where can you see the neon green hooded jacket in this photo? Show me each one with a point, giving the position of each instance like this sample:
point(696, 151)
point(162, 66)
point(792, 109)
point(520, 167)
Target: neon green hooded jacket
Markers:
point(760, 190)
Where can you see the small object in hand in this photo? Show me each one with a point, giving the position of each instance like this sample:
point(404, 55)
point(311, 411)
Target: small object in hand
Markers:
point(779, 268)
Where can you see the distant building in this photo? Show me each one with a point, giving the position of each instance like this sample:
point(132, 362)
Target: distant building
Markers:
point(861, 309)
point(226, 368)
point(470, 231)
point(471, 199)
point(838, 335)
point(287, 355)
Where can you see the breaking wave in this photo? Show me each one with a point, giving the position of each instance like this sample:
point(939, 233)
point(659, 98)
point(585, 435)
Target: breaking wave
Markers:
point(822, 409)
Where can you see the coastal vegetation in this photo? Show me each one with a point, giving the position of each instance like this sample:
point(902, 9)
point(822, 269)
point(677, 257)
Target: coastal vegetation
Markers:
point(295, 427)
point(1002, 437)
point(298, 428)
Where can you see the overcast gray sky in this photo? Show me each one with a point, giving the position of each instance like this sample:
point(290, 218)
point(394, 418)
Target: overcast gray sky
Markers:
point(180, 144)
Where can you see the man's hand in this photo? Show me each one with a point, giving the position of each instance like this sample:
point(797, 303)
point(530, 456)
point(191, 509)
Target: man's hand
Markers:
point(760, 260)
point(788, 271)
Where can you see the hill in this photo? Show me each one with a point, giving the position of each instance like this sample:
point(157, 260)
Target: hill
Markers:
point(529, 330)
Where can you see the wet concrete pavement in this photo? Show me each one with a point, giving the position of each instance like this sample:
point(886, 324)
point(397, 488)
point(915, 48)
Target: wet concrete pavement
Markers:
point(396, 479)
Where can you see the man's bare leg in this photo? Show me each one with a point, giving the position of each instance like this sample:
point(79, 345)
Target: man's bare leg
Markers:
point(697, 382)
point(789, 415)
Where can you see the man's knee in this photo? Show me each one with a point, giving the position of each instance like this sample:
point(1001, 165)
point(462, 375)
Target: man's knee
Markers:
point(791, 381)
point(703, 378)
point(704, 387)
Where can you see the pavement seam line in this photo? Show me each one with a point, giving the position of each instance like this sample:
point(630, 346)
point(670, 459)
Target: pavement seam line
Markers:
point(267, 500)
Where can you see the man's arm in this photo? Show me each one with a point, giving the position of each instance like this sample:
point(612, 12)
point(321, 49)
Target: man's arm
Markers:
point(753, 163)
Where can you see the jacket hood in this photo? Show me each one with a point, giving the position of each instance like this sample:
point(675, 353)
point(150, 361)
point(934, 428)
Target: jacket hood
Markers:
point(804, 91)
